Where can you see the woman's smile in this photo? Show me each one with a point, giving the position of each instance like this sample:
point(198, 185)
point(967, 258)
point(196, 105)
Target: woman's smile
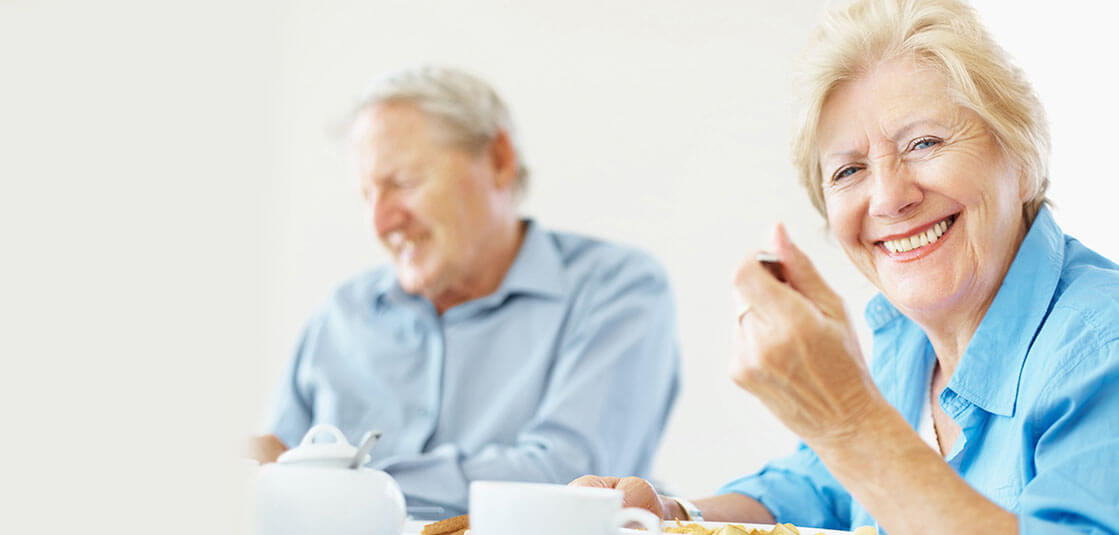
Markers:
point(918, 243)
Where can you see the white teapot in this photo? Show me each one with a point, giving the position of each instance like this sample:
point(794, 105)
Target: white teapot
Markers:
point(313, 489)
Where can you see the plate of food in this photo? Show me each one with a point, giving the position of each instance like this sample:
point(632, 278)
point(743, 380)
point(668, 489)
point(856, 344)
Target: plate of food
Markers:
point(738, 528)
point(460, 525)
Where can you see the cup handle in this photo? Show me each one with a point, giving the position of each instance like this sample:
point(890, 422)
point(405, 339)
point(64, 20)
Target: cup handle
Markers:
point(633, 514)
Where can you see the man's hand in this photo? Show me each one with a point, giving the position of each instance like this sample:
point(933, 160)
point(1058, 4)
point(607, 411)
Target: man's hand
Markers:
point(636, 492)
point(265, 448)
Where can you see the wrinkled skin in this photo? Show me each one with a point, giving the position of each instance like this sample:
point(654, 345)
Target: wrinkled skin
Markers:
point(636, 491)
point(796, 350)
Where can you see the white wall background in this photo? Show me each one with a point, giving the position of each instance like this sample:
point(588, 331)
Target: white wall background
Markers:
point(137, 144)
point(174, 206)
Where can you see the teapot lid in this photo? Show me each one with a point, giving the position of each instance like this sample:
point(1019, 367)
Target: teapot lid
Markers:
point(340, 450)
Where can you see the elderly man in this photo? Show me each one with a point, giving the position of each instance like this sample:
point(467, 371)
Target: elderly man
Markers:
point(491, 348)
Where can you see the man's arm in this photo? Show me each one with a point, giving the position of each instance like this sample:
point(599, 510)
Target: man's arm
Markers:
point(605, 404)
point(290, 414)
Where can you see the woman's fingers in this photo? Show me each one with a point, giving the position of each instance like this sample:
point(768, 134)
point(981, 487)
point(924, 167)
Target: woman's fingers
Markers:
point(802, 274)
point(640, 493)
point(758, 293)
point(795, 350)
point(594, 481)
point(636, 492)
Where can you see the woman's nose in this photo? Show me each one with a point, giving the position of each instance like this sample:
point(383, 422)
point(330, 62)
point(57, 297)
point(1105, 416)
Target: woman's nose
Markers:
point(895, 191)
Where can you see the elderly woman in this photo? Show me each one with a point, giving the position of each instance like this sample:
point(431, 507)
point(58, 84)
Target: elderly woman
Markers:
point(992, 403)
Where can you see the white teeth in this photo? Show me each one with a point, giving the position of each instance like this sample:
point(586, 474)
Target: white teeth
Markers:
point(920, 239)
point(400, 244)
point(395, 239)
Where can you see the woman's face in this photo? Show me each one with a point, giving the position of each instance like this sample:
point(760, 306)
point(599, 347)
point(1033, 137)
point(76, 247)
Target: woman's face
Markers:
point(918, 192)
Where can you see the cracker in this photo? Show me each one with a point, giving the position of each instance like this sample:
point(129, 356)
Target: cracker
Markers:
point(451, 526)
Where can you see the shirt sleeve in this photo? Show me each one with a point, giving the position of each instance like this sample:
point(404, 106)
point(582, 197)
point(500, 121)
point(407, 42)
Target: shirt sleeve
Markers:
point(290, 414)
point(797, 489)
point(603, 411)
point(1076, 485)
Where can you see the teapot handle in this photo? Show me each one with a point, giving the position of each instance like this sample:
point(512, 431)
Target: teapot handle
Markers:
point(314, 431)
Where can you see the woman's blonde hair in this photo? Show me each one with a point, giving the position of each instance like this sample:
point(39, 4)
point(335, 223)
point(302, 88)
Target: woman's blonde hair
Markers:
point(945, 35)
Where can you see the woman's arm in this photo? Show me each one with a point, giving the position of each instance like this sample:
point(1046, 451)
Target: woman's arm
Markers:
point(904, 484)
point(640, 493)
point(800, 357)
point(731, 508)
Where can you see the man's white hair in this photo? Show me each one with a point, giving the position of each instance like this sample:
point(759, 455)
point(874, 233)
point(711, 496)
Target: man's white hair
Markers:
point(469, 109)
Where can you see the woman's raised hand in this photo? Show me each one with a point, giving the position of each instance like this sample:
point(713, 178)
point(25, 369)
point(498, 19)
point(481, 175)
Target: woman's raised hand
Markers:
point(796, 350)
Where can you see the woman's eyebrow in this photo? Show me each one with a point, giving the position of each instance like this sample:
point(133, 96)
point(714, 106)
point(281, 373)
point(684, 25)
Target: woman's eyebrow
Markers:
point(845, 155)
point(905, 130)
point(900, 133)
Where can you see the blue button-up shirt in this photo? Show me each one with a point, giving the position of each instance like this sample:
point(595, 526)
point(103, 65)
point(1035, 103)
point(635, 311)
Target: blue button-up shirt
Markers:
point(569, 368)
point(1036, 395)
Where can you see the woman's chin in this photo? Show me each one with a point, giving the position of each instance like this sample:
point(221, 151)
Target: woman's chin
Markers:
point(923, 294)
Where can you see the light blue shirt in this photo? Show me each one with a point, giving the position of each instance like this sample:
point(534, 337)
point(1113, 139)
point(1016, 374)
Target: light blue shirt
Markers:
point(570, 368)
point(1036, 395)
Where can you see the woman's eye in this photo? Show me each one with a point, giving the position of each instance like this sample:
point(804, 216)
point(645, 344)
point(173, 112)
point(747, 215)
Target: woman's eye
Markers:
point(924, 143)
point(844, 173)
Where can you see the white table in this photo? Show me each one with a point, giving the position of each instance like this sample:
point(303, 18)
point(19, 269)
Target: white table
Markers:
point(413, 527)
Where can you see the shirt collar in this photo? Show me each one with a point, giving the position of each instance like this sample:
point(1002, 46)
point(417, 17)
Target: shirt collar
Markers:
point(999, 346)
point(1004, 337)
point(537, 269)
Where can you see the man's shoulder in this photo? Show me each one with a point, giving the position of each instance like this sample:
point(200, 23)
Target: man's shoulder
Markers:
point(359, 290)
point(586, 256)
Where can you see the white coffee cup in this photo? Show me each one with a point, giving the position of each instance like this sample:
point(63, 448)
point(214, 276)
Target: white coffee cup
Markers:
point(511, 508)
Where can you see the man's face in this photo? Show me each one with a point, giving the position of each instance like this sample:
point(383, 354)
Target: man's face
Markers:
point(433, 204)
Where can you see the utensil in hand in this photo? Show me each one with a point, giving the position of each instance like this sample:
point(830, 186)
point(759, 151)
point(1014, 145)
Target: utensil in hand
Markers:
point(773, 264)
